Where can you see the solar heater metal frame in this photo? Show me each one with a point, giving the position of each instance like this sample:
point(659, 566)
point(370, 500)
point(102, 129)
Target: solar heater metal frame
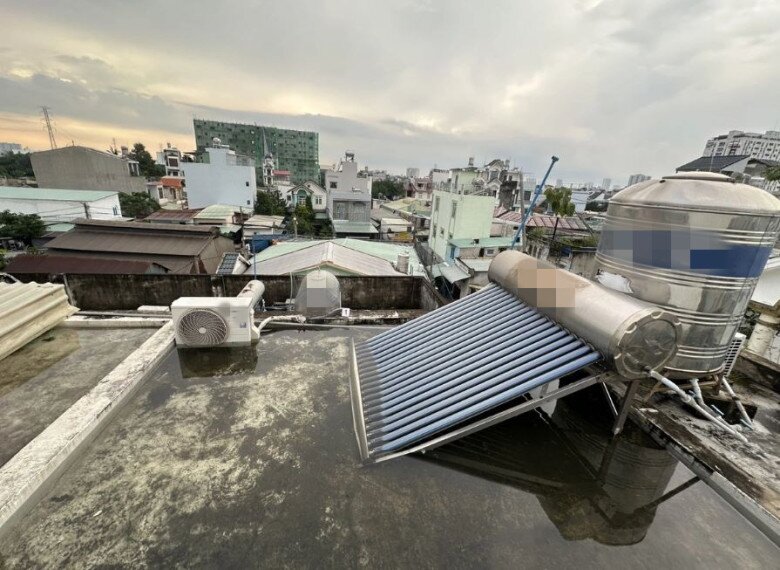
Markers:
point(596, 375)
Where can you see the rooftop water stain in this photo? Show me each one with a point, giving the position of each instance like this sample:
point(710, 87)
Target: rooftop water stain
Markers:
point(261, 469)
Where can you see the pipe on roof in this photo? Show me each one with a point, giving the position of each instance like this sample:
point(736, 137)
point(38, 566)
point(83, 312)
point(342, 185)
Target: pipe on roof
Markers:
point(632, 334)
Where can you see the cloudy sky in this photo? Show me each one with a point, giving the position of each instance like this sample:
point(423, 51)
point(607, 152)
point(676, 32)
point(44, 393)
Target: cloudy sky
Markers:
point(613, 87)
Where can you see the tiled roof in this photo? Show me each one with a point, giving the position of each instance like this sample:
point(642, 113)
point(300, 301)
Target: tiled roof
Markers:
point(544, 221)
point(172, 181)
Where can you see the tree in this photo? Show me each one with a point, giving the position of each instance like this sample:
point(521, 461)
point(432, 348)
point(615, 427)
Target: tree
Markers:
point(559, 201)
point(13, 165)
point(137, 205)
point(24, 227)
point(389, 189)
point(146, 163)
point(270, 203)
point(773, 173)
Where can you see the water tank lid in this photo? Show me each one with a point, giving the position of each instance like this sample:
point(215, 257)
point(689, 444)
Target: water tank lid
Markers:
point(702, 191)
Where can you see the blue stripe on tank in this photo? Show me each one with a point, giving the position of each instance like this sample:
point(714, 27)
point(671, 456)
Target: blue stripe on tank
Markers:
point(697, 252)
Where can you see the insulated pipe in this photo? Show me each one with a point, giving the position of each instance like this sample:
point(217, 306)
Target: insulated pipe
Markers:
point(254, 289)
point(631, 334)
point(695, 405)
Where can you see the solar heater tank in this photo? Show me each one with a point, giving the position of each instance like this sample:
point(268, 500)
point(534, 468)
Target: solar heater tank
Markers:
point(629, 333)
point(694, 244)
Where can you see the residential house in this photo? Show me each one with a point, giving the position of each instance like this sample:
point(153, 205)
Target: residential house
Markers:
point(54, 205)
point(313, 191)
point(223, 178)
point(171, 159)
point(459, 212)
point(179, 249)
point(349, 199)
point(88, 169)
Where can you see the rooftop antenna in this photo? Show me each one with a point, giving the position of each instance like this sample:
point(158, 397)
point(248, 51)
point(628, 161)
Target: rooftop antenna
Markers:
point(47, 120)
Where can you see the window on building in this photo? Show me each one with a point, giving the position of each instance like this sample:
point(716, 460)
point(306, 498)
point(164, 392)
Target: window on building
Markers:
point(116, 211)
point(247, 183)
point(318, 200)
point(436, 204)
point(333, 185)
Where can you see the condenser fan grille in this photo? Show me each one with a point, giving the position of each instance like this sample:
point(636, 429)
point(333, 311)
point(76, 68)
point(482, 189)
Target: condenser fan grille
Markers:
point(202, 327)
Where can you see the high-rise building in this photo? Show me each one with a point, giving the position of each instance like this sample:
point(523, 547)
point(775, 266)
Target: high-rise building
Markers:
point(293, 151)
point(637, 178)
point(412, 172)
point(606, 183)
point(740, 143)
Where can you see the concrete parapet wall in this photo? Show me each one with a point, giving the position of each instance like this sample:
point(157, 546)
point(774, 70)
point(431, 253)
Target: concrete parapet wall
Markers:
point(104, 292)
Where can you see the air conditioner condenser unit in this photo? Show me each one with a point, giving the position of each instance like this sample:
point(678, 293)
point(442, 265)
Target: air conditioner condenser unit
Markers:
point(217, 321)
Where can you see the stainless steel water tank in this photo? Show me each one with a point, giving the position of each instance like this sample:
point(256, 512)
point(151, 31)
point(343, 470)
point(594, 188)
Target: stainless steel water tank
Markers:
point(694, 244)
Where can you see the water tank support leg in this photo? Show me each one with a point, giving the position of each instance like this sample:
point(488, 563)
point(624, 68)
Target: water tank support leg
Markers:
point(625, 406)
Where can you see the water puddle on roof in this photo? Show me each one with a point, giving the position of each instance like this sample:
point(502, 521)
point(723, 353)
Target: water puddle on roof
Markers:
point(261, 468)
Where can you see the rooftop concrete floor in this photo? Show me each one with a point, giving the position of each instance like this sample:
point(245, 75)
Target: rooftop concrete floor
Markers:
point(43, 379)
point(247, 458)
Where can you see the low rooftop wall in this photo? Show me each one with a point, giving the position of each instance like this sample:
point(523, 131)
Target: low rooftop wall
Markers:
point(104, 292)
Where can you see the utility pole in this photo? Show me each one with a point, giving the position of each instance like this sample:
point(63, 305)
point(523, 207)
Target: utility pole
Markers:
point(47, 120)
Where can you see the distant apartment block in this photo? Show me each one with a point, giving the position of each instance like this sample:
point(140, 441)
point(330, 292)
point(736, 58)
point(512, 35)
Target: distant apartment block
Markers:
point(87, 169)
point(606, 184)
point(637, 178)
point(412, 172)
point(6, 147)
point(295, 151)
point(740, 143)
point(223, 178)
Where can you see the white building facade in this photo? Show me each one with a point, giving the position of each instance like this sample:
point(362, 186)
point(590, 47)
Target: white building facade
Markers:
point(458, 214)
point(225, 179)
point(56, 205)
point(349, 196)
point(740, 143)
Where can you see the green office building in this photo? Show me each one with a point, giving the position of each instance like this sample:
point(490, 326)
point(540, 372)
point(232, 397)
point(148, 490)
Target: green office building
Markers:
point(296, 151)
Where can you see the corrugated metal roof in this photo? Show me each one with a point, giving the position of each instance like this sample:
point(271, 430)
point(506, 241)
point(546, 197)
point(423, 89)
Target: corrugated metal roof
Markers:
point(129, 237)
point(27, 310)
point(216, 211)
point(345, 227)
point(73, 264)
point(59, 227)
point(172, 215)
point(479, 264)
point(383, 250)
point(431, 375)
point(23, 193)
point(324, 253)
point(449, 271)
